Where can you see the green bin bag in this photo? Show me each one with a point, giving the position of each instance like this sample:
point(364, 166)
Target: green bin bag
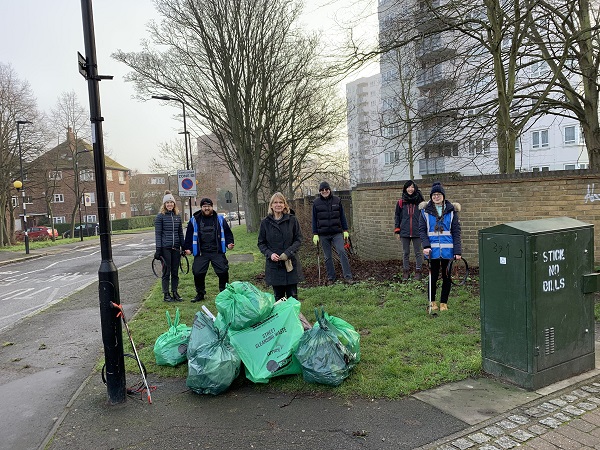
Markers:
point(267, 348)
point(323, 357)
point(242, 304)
point(213, 363)
point(346, 334)
point(170, 348)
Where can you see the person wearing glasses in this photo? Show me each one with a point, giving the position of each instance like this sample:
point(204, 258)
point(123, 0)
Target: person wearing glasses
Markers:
point(169, 242)
point(439, 228)
point(329, 227)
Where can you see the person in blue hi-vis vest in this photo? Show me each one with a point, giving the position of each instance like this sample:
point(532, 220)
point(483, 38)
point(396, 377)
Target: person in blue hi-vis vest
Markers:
point(439, 228)
point(208, 237)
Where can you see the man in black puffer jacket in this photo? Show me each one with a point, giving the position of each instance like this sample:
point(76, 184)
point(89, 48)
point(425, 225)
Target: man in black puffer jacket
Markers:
point(329, 226)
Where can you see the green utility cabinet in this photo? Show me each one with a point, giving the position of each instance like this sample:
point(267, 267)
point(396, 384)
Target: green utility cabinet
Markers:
point(537, 309)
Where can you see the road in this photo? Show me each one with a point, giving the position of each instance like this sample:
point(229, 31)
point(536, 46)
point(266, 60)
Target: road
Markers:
point(45, 357)
point(32, 285)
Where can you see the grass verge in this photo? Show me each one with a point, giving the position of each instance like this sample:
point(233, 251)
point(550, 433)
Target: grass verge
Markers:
point(403, 350)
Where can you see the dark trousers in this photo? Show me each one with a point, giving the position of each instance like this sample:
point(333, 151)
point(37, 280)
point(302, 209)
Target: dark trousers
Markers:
point(200, 268)
point(434, 269)
point(286, 290)
point(172, 257)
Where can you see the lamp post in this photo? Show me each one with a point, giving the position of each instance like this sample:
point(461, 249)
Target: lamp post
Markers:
point(185, 133)
point(19, 184)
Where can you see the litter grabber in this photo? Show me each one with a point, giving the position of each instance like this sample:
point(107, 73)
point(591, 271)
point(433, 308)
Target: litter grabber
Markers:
point(319, 262)
point(430, 310)
point(121, 314)
point(349, 247)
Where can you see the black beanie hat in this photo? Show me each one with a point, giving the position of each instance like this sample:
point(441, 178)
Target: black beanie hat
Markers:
point(437, 187)
point(324, 185)
point(206, 201)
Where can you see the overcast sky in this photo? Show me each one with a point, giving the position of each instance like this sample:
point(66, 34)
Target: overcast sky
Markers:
point(40, 40)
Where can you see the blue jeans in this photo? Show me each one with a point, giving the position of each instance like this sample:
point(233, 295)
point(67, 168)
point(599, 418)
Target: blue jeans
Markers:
point(337, 240)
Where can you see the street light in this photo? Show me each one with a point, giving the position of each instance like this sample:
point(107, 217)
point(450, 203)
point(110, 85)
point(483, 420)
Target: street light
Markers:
point(18, 184)
point(185, 133)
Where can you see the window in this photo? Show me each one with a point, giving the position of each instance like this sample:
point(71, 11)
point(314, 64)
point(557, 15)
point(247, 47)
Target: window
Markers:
point(59, 219)
point(121, 177)
point(539, 69)
point(479, 147)
point(111, 199)
point(392, 157)
point(449, 150)
point(390, 131)
point(113, 216)
point(133, 194)
point(86, 175)
point(123, 215)
point(157, 180)
point(584, 166)
point(539, 139)
point(540, 169)
point(570, 167)
point(55, 175)
point(122, 199)
point(517, 145)
point(572, 135)
point(91, 218)
point(15, 201)
point(58, 198)
point(109, 175)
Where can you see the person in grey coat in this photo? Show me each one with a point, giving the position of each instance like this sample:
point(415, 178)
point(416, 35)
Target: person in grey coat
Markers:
point(279, 239)
point(169, 242)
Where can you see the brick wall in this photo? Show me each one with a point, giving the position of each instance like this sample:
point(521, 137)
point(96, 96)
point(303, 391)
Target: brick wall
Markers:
point(486, 201)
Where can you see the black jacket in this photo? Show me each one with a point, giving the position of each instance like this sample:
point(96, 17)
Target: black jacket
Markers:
point(328, 216)
point(189, 233)
point(168, 230)
point(406, 218)
point(283, 236)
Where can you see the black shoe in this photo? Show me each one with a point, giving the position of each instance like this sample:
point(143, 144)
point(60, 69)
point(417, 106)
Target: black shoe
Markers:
point(349, 281)
point(198, 298)
point(168, 298)
point(177, 297)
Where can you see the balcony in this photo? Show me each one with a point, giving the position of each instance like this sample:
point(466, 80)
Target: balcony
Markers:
point(435, 75)
point(433, 136)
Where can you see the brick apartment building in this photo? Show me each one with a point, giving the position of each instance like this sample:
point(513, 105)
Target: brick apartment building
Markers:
point(57, 180)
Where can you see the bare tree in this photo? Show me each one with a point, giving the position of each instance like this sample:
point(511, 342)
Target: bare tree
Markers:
point(17, 103)
point(172, 157)
point(225, 60)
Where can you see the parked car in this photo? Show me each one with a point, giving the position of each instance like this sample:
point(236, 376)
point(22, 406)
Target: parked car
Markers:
point(232, 215)
point(37, 234)
point(242, 215)
point(87, 229)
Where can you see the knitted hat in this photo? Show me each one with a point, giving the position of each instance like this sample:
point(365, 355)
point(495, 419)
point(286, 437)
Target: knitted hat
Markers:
point(437, 187)
point(168, 197)
point(324, 185)
point(206, 201)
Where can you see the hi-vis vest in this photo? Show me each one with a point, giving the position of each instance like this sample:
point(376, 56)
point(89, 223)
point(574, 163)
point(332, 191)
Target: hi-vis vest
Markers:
point(440, 239)
point(195, 246)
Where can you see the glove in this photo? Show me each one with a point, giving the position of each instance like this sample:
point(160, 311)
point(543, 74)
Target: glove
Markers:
point(316, 239)
point(283, 257)
point(157, 254)
point(346, 235)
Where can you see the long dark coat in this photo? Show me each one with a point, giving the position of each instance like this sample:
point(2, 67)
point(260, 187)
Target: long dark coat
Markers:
point(279, 237)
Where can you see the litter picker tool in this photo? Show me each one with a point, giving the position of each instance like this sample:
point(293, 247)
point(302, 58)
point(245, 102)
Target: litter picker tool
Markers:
point(319, 262)
point(121, 314)
point(429, 299)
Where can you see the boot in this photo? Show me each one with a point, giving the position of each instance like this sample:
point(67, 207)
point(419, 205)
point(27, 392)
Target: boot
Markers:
point(418, 275)
point(434, 306)
point(443, 306)
point(177, 297)
point(405, 274)
point(198, 298)
point(168, 298)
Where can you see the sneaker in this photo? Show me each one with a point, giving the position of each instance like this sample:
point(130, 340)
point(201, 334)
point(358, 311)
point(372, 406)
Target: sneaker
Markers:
point(418, 275)
point(348, 281)
point(405, 275)
point(443, 306)
point(434, 306)
point(177, 297)
point(168, 298)
point(198, 298)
